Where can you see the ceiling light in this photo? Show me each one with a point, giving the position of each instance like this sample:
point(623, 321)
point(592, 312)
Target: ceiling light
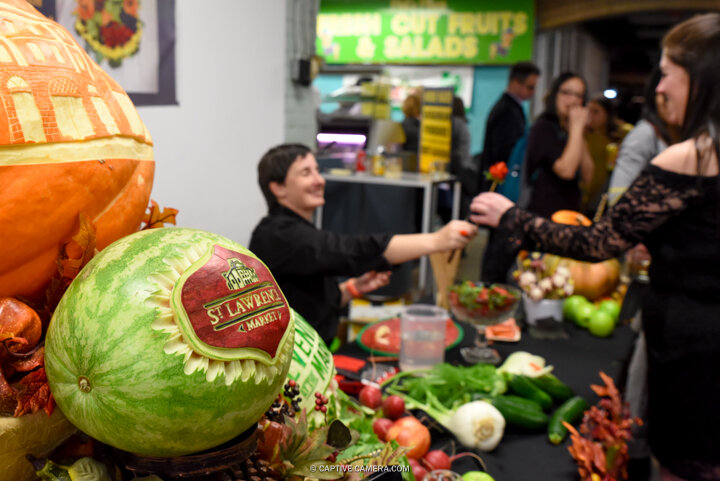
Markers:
point(610, 93)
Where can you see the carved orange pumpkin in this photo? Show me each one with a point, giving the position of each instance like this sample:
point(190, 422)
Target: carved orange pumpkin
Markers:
point(570, 217)
point(71, 141)
point(592, 279)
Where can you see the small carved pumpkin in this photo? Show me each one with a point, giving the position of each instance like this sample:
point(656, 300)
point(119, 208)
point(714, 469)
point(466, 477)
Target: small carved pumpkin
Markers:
point(592, 279)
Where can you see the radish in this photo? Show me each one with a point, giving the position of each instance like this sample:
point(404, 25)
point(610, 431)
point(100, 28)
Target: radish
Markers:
point(435, 459)
point(380, 427)
point(393, 407)
point(370, 396)
point(418, 471)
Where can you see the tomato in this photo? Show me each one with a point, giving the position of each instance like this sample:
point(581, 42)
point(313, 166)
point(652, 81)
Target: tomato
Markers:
point(411, 433)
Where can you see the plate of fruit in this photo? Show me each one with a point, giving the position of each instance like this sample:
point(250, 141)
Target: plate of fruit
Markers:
point(483, 304)
point(384, 337)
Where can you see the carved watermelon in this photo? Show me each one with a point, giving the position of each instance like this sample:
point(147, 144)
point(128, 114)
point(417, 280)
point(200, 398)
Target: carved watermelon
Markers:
point(312, 366)
point(170, 341)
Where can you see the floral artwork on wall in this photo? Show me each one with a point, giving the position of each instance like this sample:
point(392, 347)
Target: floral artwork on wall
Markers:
point(112, 29)
point(132, 40)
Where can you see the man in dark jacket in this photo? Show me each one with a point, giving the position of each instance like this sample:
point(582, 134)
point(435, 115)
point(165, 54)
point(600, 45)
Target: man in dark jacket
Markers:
point(506, 122)
point(505, 125)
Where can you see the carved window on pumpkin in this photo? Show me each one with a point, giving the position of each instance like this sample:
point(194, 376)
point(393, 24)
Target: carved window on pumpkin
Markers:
point(5, 56)
point(103, 111)
point(70, 114)
point(36, 51)
point(28, 114)
point(13, 52)
point(136, 125)
point(56, 53)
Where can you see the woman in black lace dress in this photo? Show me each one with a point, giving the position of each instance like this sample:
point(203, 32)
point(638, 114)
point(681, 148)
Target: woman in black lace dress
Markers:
point(673, 207)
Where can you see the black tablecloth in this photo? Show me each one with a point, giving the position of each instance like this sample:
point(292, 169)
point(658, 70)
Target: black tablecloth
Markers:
point(523, 455)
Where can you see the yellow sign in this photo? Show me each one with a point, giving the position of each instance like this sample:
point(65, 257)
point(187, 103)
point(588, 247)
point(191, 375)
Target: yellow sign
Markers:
point(435, 130)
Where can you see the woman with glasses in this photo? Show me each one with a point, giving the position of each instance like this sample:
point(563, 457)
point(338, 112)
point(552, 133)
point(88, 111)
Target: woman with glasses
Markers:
point(557, 157)
point(673, 207)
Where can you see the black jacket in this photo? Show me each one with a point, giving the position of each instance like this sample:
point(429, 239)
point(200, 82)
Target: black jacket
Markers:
point(505, 125)
point(305, 262)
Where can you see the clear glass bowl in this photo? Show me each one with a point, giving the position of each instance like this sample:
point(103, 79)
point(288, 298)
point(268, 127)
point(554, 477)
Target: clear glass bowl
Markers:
point(483, 317)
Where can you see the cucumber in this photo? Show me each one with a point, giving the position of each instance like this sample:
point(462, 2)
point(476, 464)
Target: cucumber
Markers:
point(570, 411)
point(524, 387)
point(521, 412)
point(559, 391)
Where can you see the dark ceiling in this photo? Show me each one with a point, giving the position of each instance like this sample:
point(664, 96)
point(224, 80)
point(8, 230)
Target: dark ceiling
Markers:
point(633, 41)
point(633, 44)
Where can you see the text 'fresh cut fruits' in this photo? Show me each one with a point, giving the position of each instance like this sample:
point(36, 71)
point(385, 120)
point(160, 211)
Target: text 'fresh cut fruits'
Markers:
point(170, 341)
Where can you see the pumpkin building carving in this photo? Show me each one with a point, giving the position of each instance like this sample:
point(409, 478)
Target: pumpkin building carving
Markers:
point(71, 142)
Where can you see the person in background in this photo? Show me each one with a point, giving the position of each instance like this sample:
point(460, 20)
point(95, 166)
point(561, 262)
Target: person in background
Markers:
point(306, 261)
point(505, 125)
point(605, 133)
point(557, 158)
point(461, 162)
point(652, 134)
point(411, 123)
point(506, 122)
point(673, 207)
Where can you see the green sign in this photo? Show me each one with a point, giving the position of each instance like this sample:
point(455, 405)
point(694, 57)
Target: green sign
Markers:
point(425, 31)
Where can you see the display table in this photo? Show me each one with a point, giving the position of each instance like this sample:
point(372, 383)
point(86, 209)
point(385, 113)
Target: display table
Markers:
point(524, 455)
point(428, 183)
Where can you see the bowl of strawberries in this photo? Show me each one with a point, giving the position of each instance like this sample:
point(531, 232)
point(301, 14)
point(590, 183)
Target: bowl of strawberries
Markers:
point(483, 304)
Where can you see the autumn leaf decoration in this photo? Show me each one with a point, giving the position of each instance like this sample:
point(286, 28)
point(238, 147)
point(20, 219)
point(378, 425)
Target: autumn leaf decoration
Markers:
point(34, 394)
point(21, 360)
point(496, 173)
point(156, 217)
point(600, 446)
point(72, 258)
point(23, 384)
point(305, 452)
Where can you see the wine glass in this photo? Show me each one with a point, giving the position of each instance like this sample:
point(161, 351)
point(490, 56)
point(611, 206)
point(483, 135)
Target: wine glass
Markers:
point(481, 318)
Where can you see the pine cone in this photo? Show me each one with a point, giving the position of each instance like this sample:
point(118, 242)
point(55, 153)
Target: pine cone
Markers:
point(254, 469)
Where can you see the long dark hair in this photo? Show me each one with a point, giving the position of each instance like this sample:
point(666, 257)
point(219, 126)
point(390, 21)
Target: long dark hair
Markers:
point(550, 104)
point(695, 46)
point(612, 124)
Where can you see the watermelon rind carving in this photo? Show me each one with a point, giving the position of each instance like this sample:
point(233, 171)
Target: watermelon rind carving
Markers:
point(122, 355)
